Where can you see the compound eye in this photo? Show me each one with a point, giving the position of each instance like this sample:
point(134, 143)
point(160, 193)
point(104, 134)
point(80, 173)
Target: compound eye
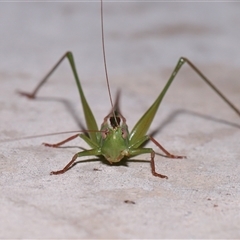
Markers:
point(124, 133)
point(105, 133)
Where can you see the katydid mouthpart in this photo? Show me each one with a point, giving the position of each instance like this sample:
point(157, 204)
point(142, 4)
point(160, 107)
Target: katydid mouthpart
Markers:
point(113, 141)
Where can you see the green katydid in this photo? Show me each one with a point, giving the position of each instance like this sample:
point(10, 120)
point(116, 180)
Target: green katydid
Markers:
point(113, 141)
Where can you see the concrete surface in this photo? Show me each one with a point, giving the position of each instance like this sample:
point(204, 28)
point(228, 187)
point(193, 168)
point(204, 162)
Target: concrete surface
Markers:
point(143, 43)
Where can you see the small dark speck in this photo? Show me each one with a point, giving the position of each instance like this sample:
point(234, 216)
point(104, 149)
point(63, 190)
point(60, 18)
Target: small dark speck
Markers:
point(96, 169)
point(129, 202)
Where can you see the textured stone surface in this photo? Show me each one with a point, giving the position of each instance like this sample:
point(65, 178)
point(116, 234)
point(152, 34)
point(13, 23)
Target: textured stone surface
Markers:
point(143, 43)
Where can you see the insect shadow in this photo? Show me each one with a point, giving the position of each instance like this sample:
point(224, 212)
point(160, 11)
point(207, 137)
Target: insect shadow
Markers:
point(171, 118)
point(168, 120)
point(176, 113)
point(124, 162)
point(69, 108)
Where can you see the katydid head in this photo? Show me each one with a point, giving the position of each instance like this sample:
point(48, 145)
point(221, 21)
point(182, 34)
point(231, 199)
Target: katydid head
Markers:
point(114, 137)
point(115, 121)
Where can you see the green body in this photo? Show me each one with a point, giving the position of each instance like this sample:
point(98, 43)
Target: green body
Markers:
point(113, 140)
point(115, 143)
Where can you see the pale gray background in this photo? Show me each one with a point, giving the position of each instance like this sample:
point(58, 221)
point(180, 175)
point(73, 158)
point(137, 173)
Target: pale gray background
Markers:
point(144, 40)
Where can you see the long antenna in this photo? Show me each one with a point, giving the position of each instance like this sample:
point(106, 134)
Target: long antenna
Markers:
point(105, 63)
